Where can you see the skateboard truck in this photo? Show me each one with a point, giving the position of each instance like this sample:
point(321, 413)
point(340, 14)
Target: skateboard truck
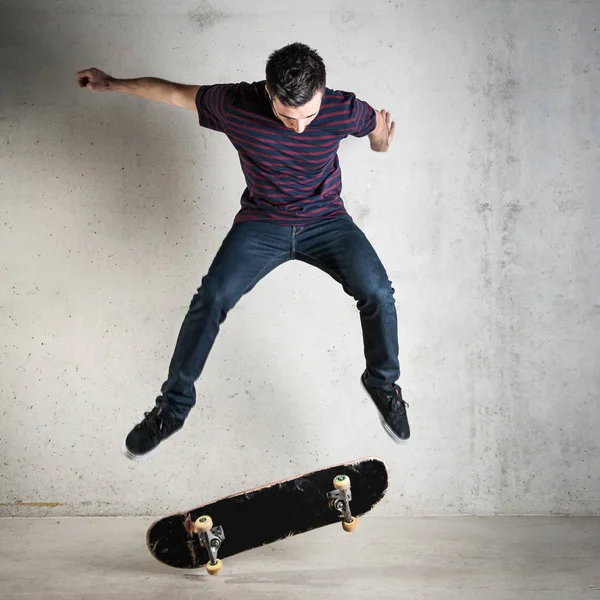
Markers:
point(211, 538)
point(339, 498)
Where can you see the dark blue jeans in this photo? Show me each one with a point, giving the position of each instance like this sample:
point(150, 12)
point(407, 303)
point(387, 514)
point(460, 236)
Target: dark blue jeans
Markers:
point(250, 251)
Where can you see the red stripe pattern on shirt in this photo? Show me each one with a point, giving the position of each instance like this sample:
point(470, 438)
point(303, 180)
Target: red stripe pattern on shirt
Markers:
point(291, 178)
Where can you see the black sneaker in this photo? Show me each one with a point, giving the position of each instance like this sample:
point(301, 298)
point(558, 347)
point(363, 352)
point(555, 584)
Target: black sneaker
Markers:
point(156, 426)
point(392, 410)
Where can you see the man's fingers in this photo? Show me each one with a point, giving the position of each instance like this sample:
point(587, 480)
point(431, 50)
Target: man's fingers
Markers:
point(88, 78)
point(84, 77)
point(386, 117)
point(391, 133)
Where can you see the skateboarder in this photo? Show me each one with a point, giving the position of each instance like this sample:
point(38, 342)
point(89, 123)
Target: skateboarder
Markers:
point(286, 130)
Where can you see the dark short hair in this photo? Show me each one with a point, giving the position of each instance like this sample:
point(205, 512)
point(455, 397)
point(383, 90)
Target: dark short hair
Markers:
point(295, 73)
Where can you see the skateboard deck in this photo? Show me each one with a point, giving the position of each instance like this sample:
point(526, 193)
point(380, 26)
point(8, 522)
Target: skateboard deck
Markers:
point(205, 535)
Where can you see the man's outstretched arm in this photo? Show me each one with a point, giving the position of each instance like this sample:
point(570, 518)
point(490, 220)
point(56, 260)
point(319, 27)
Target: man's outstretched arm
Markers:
point(150, 88)
point(383, 134)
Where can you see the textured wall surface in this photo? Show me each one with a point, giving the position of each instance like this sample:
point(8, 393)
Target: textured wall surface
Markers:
point(485, 212)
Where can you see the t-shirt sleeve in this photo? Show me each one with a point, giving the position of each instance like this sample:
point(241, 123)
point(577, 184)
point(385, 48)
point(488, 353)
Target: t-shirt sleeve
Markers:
point(213, 103)
point(363, 118)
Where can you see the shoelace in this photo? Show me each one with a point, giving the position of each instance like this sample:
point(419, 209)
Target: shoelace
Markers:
point(152, 421)
point(399, 400)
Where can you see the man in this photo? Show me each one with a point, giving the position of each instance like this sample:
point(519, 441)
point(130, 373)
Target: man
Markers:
point(287, 131)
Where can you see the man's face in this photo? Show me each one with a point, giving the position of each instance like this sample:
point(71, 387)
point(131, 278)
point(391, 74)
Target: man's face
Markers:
point(299, 118)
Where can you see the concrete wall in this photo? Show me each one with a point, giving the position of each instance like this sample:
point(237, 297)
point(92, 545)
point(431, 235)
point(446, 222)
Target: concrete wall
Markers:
point(485, 213)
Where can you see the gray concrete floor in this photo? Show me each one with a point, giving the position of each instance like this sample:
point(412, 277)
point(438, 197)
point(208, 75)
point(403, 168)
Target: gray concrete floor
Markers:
point(491, 558)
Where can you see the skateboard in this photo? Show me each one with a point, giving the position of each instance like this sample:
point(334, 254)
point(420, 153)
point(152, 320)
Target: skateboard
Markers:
point(206, 535)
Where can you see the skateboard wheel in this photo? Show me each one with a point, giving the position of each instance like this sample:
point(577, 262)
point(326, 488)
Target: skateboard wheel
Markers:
point(203, 524)
point(341, 482)
point(214, 569)
point(350, 527)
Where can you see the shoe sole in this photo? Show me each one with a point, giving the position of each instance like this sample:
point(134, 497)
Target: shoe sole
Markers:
point(384, 423)
point(132, 456)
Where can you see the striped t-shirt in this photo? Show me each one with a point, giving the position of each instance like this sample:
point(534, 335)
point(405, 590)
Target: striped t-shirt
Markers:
point(291, 178)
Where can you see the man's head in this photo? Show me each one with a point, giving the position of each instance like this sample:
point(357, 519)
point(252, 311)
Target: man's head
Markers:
point(295, 83)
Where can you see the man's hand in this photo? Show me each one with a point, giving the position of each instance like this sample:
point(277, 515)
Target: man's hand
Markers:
point(383, 134)
point(95, 80)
